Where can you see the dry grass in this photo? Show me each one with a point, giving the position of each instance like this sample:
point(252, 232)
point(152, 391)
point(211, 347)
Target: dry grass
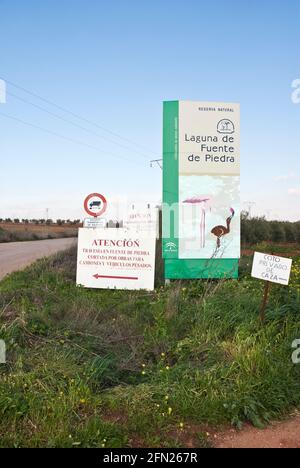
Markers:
point(10, 232)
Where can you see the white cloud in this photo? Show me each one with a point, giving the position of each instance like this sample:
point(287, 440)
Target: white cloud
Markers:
point(285, 177)
point(294, 191)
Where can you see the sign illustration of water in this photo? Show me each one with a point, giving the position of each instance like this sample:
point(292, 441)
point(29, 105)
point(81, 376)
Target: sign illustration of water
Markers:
point(215, 211)
point(205, 203)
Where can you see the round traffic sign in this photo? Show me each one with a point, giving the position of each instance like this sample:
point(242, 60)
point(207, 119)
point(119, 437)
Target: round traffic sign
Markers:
point(95, 204)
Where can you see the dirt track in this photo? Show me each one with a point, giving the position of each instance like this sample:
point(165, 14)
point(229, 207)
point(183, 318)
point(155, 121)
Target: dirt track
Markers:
point(17, 255)
point(284, 434)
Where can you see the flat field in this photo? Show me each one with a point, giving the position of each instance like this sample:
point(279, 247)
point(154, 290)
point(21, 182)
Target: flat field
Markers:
point(14, 232)
point(168, 368)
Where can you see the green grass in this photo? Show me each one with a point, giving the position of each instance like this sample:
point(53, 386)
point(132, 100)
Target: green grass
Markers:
point(95, 368)
point(276, 249)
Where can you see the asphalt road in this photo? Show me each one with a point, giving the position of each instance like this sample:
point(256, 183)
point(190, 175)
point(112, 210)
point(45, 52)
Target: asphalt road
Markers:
point(17, 255)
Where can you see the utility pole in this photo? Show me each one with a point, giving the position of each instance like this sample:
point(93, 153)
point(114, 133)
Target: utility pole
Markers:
point(249, 204)
point(156, 161)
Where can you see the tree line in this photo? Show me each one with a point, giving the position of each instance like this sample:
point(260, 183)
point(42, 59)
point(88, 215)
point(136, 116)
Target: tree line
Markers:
point(258, 229)
point(47, 222)
point(253, 230)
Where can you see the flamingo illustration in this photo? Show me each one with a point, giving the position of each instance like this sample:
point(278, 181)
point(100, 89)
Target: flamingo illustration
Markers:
point(204, 200)
point(220, 231)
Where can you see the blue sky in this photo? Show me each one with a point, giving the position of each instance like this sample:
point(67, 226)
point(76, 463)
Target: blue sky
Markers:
point(114, 63)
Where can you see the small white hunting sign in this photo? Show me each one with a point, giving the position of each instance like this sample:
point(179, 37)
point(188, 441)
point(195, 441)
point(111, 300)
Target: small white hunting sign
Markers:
point(271, 268)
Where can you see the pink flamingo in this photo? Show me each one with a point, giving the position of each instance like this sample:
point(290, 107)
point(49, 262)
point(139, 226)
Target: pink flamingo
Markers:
point(204, 200)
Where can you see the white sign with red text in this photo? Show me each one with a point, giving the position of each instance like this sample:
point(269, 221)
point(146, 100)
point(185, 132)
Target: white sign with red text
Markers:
point(115, 259)
point(141, 219)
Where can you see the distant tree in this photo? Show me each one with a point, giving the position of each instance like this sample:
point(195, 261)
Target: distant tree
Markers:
point(277, 231)
point(261, 229)
point(247, 228)
point(297, 231)
point(16, 220)
point(290, 232)
point(111, 223)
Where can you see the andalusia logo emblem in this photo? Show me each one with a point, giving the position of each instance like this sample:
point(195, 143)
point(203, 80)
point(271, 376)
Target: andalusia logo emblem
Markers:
point(171, 247)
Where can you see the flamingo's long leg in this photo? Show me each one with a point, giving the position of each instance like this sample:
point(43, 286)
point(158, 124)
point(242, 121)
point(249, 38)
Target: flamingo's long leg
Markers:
point(201, 228)
point(201, 231)
point(204, 214)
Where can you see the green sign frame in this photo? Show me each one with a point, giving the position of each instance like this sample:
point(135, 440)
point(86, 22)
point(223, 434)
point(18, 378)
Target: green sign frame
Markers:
point(176, 268)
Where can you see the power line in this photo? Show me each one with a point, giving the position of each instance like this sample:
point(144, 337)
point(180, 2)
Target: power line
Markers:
point(77, 115)
point(78, 142)
point(159, 162)
point(75, 124)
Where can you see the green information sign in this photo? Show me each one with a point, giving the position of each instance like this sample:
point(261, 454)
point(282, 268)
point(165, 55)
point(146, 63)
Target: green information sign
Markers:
point(201, 176)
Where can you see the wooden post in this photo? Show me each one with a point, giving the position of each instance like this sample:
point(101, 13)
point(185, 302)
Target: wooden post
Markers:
point(264, 302)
